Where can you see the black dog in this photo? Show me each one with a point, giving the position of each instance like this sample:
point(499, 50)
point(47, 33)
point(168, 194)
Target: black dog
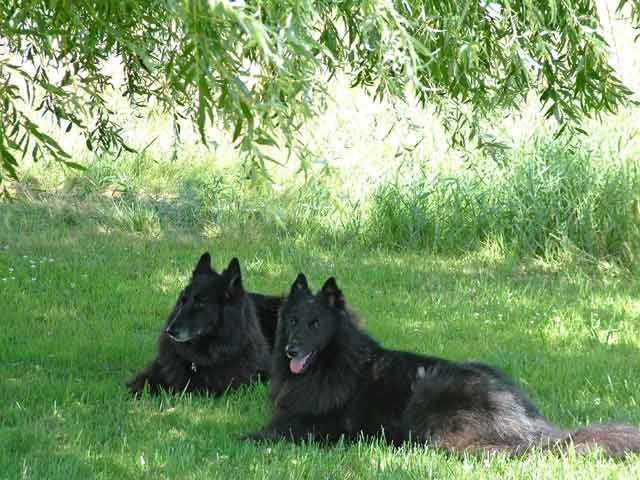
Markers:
point(330, 379)
point(216, 338)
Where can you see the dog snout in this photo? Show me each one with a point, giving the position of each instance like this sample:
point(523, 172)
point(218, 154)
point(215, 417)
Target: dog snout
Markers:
point(292, 351)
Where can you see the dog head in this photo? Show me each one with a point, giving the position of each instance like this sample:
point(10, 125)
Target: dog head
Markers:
point(309, 322)
point(210, 301)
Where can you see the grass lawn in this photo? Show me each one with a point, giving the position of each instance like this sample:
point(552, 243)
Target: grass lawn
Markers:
point(89, 274)
point(82, 305)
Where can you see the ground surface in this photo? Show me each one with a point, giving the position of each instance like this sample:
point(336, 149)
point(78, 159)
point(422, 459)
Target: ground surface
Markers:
point(82, 305)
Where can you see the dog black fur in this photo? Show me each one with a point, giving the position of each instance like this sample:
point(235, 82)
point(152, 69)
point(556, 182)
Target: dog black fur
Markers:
point(216, 337)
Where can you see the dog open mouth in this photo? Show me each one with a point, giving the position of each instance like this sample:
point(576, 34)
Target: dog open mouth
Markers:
point(299, 365)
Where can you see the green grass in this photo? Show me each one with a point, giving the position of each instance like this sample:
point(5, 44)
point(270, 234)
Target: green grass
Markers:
point(545, 201)
point(85, 288)
point(527, 260)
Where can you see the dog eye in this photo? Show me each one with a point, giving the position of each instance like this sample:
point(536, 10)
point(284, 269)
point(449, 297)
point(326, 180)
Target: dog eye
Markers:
point(314, 323)
point(198, 302)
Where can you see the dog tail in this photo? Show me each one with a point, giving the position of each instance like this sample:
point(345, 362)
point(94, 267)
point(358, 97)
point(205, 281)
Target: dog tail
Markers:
point(616, 440)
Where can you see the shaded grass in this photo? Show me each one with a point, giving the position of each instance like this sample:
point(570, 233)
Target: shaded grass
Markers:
point(102, 291)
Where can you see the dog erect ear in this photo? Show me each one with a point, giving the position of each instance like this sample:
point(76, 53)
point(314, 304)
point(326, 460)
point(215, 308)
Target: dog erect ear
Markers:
point(204, 264)
point(332, 293)
point(300, 284)
point(233, 278)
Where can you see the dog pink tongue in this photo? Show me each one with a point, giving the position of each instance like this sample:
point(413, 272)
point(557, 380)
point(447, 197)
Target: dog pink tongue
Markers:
point(297, 364)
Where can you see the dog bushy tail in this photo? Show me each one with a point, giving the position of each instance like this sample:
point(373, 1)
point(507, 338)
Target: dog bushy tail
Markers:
point(616, 440)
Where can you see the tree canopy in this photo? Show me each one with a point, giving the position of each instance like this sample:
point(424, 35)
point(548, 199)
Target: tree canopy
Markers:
point(260, 67)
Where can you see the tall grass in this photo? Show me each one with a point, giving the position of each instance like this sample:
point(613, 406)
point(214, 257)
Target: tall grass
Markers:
point(542, 202)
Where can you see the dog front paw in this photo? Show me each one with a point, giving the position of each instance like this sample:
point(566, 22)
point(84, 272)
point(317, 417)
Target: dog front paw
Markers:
point(136, 385)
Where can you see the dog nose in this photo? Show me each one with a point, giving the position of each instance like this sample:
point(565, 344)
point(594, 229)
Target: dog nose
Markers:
point(292, 351)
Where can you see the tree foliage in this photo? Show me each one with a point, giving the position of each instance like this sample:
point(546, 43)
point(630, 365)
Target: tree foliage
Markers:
point(260, 68)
